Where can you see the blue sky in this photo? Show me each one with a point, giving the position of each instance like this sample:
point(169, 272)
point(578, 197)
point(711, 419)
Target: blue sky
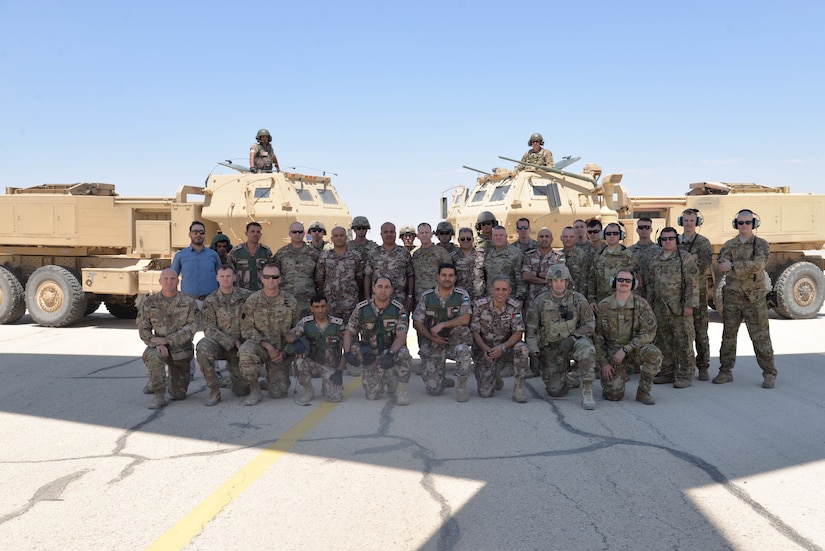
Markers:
point(395, 98)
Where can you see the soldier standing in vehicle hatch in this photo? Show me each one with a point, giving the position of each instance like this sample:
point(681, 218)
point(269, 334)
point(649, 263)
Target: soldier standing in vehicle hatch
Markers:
point(261, 155)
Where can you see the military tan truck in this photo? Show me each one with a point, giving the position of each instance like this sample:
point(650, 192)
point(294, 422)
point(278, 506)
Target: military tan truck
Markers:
point(65, 248)
point(793, 224)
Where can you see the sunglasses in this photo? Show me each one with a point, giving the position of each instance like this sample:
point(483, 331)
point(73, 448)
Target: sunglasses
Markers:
point(360, 228)
point(644, 227)
point(313, 230)
point(199, 232)
point(465, 238)
point(522, 227)
point(444, 233)
point(536, 141)
point(624, 279)
point(296, 231)
point(593, 231)
point(612, 233)
point(486, 223)
point(668, 238)
point(270, 276)
point(744, 222)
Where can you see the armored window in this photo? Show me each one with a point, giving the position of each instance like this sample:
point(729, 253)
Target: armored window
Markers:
point(479, 195)
point(328, 197)
point(551, 191)
point(500, 193)
point(261, 193)
point(304, 195)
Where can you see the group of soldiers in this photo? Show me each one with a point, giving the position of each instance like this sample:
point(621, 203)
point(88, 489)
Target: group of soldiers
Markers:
point(593, 309)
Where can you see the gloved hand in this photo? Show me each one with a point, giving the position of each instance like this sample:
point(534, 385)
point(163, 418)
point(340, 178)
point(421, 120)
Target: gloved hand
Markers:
point(367, 354)
point(567, 344)
point(352, 359)
point(253, 170)
point(388, 359)
point(337, 378)
point(299, 347)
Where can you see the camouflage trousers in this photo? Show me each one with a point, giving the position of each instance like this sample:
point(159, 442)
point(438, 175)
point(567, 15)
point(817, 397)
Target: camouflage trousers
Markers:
point(156, 370)
point(252, 356)
point(487, 369)
point(674, 338)
point(372, 377)
point(700, 330)
point(342, 306)
point(433, 359)
point(648, 357)
point(308, 368)
point(209, 351)
point(738, 307)
point(554, 366)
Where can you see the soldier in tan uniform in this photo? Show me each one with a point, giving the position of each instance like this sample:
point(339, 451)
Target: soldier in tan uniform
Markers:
point(407, 235)
point(222, 334)
point(504, 259)
point(166, 324)
point(340, 275)
point(445, 232)
point(644, 249)
point(361, 245)
point(267, 316)
point(524, 242)
point(537, 264)
point(297, 261)
point(261, 155)
point(394, 262)
point(317, 232)
point(700, 249)
point(604, 264)
point(485, 222)
point(469, 265)
point(576, 260)
point(536, 155)
point(426, 259)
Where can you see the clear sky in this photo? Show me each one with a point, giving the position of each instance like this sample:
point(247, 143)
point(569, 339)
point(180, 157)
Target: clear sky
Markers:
point(394, 97)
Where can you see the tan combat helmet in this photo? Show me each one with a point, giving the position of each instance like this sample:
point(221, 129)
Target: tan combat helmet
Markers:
point(360, 222)
point(317, 225)
point(535, 136)
point(558, 271)
point(405, 230)
point(444, 226)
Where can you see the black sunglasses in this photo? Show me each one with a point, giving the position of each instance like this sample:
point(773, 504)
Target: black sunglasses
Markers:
point(270, 276)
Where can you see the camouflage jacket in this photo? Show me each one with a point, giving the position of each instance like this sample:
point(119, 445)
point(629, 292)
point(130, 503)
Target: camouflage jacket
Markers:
point(493, 325)
point(339, 274)
point(325, 246)
point(509, 262)
point(630, 326)
point(644, 254)
point(551, 320)
point(578, 263)
point(221, 316)
point(325, 343)
point(268, 319)
point(484, 244)
point(603, 267)
point(297, 265)
point(248, 267)
point(536, 264)
point(363, 249)
point(174, 319)
point(525, 248)
point(749, 261)
point(451, 248)
point(378, 327)
point(701, 251)
point(425, 265)
point(542, 157)
point(469, 271)
point(673, 283)
point(395, 264)
point(265, 157)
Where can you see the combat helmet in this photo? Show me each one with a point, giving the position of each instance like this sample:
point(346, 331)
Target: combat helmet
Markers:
point(558, 271)
point(360, 222)
point(445, 226)
point(406, 229)
point(263, 132)
point(485, 216)
point(535, 136)
point(317, 225)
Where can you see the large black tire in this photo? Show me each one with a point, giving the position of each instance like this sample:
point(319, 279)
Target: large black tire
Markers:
point(12, 297)
point(91, 307)
point(55, 297)
point(800, 291)
point(123, 310)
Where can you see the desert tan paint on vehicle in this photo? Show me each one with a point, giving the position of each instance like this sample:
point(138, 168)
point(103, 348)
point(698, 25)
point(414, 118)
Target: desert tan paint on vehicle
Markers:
point(793, 223)
point(65, 248)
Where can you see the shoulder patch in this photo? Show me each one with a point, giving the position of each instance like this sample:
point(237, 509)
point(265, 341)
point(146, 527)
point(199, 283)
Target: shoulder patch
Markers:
point(427, 292)
point(337, 321)
point(362, 304)
point(482, 300)
point(513, 302)
point(307, 319)
point(397, 304)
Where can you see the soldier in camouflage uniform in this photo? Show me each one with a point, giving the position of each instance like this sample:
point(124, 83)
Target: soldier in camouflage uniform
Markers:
point(407, 235)
point(340, 274)
point(222, 335)
point(441, 320)
point(595, 237)
point(469, 265)
point(625, 329)
point(297, 261)
point(524, 242)
point(485, 222)
point(267, 316)
point(560, 325)
point(536, 155)
point(166, 324)
point(742, 261)
point(319, 352)
point(382, 325)
point(445, 233)
point(247, 259)
point(576, 260)
point(700, 249)
point(507, 260)
point(580, 227)
point(537, 264)
point(394, 262)
point(361, 245)
point(426, 259)
point(673, 294)
point(261, 155)
point(604, 264)
point(317, 231)
point(497, 327)
point(644, 249)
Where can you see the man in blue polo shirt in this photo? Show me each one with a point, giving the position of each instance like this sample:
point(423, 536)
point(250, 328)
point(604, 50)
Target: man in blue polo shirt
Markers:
point(197, 264)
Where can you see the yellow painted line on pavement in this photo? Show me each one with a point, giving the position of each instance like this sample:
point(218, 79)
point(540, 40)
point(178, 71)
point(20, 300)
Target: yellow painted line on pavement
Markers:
point(179, 535)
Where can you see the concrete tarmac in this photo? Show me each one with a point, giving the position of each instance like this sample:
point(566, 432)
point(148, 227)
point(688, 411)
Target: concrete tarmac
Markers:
point(84, 464)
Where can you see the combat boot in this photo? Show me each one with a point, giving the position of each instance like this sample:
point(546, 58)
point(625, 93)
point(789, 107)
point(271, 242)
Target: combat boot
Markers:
point(449, 382)
point(643, 392)
point(159, 401)
point(254, 394)
point(723, 377)
point(518, 391)
point(214, 396)
point(682, 383)
point(663, 379)
point(146, 389)
point(768, 380)
point(309, 392)
point(461, 390)
point(703, 374)
point(587, 395)
point(402, 398)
